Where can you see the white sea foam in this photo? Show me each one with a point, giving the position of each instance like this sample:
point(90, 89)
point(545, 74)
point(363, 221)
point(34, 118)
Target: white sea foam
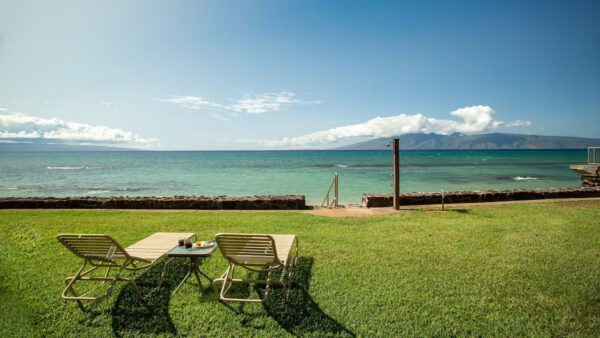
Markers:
point(524, 178)
point(66, 168)
point(95, 192)
point(11, 188)
point(342, 165)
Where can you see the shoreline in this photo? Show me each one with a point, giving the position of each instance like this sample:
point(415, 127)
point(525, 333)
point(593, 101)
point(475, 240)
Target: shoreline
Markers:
point(292, 202)
point(478, 196)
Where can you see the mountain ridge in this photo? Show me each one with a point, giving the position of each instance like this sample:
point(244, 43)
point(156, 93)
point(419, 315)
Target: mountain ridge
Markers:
point(17, 147)
point(458, 141)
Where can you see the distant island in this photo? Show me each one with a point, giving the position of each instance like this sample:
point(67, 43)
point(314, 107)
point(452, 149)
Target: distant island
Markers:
point(434, 141)
point(417, 141)
point(13, 147)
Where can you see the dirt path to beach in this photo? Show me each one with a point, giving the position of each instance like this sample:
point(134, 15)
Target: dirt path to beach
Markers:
point(358, 212)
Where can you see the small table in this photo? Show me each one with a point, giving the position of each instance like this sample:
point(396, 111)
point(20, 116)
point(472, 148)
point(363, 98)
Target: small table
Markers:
point(196, 256)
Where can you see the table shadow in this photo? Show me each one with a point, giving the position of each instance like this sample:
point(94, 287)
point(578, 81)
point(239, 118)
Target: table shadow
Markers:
point(301, 315)
point(131, 314)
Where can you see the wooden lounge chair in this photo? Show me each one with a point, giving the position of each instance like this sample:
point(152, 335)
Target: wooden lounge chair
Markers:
point(104, 253)
point(258, 253)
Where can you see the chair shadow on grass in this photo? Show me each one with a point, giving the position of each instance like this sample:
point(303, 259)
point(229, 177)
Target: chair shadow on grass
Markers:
point(151, 314)
point(461, 211)
point(300, 315)
point(457, 210)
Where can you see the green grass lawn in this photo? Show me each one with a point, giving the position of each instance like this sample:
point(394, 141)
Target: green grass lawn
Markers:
point(502, 270)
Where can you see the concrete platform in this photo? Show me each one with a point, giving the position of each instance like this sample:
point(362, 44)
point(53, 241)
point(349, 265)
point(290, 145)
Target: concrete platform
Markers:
point(590, 174)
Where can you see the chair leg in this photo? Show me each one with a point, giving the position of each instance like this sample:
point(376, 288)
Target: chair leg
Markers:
point(113, 281)
point(70, 293)
point(130, 279)
point(136, 287)
point(71, 282)
point(72, 289)
point(290, 266)
point(228, 280)
point(268, 288)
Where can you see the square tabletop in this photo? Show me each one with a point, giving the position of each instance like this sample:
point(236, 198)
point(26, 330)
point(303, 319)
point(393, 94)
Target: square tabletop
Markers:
point(180, 251)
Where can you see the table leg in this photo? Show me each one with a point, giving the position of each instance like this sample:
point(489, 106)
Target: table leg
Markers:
point(195, 263)
point(187, 275)
point(195, 266)
point(205, 275)
point(164, 269)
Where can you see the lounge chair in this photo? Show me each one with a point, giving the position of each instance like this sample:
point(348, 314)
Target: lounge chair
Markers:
point(258, 253)
point(104, 252)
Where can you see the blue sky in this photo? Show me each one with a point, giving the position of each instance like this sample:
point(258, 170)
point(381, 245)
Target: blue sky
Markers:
point(294, 74)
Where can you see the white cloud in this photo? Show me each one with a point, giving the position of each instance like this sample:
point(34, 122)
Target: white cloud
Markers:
point(262, 103)
point(3, 109)
point(191, 102)
point(106, 103)
point(248, 103)
point(17, 126)
point(518, 123)
point(473, 119)
point(216, 110)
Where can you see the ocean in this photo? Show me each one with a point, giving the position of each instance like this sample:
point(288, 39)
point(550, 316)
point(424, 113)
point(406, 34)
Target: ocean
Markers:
point(309, 173)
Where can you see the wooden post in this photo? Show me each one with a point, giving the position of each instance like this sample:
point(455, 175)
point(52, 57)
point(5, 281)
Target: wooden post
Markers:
point(337, 190)
point(443, 193)
point(396, 174)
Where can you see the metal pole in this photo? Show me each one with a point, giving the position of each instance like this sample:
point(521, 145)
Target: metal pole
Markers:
point(443, 193)
point(337, 196)
point(396, 174)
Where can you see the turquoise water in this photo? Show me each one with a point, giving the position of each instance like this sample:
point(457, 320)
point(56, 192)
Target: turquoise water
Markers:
point(280, 172)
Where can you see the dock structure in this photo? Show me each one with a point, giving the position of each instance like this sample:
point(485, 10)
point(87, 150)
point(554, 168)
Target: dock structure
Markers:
point(590, 173)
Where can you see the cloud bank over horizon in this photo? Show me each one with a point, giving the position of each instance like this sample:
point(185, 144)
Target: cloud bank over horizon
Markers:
point(473, 119)
point(15, 127)
point(19, 127)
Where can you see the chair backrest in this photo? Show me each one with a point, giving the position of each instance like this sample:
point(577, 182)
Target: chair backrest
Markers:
point(93, 246)
point(248, 249)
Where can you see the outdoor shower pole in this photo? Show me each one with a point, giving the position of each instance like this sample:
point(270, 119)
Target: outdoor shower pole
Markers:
point(396, 174)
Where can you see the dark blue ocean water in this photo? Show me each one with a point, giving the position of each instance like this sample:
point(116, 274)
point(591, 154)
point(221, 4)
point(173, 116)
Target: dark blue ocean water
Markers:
point(280, 172)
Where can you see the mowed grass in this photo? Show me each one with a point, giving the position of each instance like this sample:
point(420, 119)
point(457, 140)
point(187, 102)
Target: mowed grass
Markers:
point(502, 270)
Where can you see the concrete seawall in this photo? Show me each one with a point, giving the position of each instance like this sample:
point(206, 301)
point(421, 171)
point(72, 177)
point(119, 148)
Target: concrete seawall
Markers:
point(420, 198)
point(268, 202)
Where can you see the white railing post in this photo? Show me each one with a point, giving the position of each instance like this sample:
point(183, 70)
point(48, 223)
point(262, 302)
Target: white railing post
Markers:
point(334, 185)
point(593, 155)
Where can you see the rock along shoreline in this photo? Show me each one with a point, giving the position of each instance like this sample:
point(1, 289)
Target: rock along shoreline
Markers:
point(286, 202)
point(421, 198)
point(264, 202)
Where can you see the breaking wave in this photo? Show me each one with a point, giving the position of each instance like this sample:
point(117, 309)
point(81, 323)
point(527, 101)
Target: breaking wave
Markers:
point(524, 178)
point(95, 192)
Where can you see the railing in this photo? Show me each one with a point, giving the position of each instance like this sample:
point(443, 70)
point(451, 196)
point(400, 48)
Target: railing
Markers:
point(335, 186)
point(593, 155)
